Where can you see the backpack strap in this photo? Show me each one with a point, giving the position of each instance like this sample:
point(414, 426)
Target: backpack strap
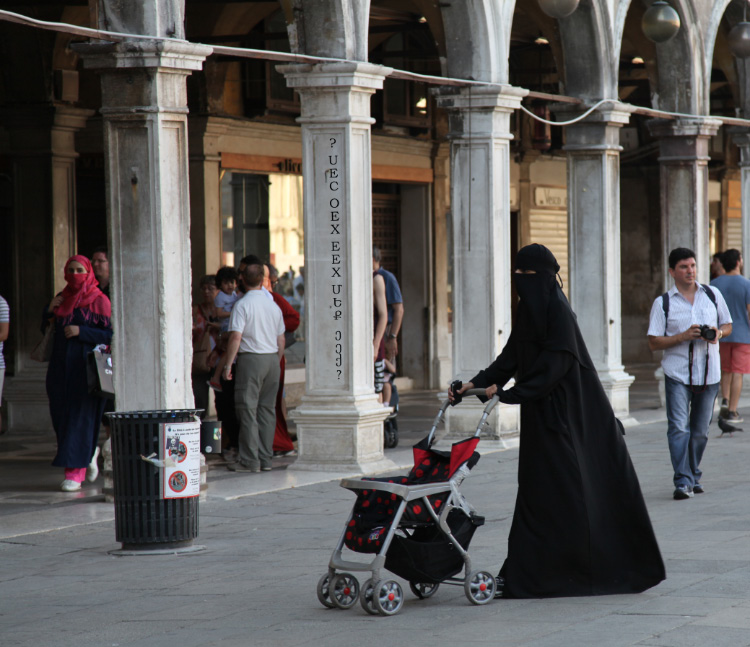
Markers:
point(665, 304)
point(711, 295)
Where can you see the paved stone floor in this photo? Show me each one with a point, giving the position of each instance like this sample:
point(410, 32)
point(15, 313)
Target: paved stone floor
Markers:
point(269, 536)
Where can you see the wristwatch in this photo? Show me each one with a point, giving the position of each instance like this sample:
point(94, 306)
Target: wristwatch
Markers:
point(392, 336)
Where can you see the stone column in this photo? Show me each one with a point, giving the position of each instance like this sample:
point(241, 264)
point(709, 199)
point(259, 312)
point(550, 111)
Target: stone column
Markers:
point(684, 187)
point(742, 140)
point(144, 106)
point(42, 148)
point(480, 206)
point(593, 148)
point(205, 198)
point(340, 421)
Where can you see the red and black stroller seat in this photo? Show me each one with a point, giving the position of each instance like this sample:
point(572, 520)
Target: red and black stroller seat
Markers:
point(375, 510)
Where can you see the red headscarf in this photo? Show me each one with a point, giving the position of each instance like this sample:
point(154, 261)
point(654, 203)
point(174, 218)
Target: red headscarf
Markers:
point(82, 291)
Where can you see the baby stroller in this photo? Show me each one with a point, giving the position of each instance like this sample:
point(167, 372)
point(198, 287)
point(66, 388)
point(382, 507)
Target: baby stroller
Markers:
point(418, 527)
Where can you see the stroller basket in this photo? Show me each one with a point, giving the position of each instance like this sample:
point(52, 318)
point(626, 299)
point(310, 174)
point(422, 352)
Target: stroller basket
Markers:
point(374, 509)
point(427, 555)
point(417, 526)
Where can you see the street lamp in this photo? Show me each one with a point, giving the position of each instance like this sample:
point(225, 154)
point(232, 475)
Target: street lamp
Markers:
point(558, 8)
point(660, 22)
point(739, 37)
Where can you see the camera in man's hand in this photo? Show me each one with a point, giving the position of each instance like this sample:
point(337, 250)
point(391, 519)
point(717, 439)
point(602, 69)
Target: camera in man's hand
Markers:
point(708, 333)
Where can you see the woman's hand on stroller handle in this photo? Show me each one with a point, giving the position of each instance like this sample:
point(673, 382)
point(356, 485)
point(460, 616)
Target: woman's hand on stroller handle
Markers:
point(456, 391)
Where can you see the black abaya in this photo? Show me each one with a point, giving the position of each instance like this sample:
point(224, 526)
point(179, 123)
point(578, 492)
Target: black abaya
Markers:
point(580, 525)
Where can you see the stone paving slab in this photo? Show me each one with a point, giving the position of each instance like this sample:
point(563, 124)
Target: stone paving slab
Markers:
point(255, 582)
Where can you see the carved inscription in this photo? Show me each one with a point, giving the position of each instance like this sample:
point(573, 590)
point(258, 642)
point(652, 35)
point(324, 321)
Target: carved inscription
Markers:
point(335, 252)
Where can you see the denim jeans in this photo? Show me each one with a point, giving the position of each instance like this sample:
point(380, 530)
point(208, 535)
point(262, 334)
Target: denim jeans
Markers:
point(688, 417)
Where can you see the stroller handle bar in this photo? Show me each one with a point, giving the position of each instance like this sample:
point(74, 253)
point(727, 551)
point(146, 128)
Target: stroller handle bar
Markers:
point(446, 403)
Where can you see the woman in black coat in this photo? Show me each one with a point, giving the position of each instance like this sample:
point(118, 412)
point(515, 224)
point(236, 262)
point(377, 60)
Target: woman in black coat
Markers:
point(580, 525)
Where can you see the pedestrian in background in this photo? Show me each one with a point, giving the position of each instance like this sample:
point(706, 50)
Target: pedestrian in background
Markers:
point(717, 269)
point(735, 347)
point(686, 323)
point(81, 314)
point(256, 339)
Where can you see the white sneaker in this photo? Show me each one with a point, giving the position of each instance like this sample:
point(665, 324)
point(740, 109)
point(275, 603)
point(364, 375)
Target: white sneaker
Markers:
point(92, 471)
point(70, 486)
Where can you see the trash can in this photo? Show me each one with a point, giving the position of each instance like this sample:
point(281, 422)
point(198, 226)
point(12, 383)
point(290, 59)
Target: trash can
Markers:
point(211, 436)
point(156, 474)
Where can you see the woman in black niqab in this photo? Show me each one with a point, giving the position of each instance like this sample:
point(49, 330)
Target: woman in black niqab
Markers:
point(580, 525)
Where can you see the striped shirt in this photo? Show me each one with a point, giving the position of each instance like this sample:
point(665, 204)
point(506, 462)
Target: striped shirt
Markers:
point(682, 315)
point(4, 318)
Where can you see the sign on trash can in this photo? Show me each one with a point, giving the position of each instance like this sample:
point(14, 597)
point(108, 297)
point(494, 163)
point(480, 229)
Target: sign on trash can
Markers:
point(180, 447)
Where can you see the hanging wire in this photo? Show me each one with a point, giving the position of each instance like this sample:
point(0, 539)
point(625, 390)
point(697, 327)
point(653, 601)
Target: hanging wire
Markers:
point(286, 57)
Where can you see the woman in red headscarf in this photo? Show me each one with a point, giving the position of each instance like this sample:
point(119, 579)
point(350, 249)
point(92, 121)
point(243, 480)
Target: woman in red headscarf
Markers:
point(81, 315)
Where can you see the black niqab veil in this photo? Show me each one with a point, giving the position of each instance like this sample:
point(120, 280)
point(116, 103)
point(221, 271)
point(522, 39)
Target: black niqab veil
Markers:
point(544, 313)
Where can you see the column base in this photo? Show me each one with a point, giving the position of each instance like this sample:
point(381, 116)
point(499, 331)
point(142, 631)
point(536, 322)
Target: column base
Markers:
point(461, 421)
point(25, 397)
point(336, 436)
point(617, 387)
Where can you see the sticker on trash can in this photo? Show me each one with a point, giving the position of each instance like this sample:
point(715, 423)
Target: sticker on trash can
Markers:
point(179, 448)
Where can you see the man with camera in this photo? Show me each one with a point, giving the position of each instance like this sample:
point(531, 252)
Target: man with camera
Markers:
point(686, 323)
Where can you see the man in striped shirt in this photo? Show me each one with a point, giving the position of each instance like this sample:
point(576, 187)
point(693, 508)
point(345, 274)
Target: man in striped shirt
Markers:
point(691, 364)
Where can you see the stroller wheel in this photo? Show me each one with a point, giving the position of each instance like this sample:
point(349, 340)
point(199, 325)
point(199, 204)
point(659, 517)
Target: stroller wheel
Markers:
point(323, 592)
point(387, 597)
point(365, 597)
point(390, 434)
point(423, 590)
point(344, 590)
point(480, 587)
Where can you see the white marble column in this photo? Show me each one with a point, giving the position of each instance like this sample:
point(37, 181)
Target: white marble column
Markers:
point(684, 187)
point(742, 140)
point(593, 148)
point(480, 206)
point(144, 106)
point(340, 421)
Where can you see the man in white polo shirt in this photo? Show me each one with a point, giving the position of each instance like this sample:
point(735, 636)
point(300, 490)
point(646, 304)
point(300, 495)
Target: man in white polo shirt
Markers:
point(686, 323)
point(256, 338)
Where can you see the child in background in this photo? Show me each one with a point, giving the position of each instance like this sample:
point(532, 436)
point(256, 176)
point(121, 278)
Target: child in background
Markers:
point(226, 281)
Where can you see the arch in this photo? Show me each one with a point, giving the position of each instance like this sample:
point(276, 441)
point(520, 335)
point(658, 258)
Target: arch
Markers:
point(589, 62)
point(683, 78)
point(333, 28)
point(741, 67)
point(485, 56)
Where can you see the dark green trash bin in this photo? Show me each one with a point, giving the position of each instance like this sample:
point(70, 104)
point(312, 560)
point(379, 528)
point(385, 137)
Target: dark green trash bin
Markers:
point(144, 520)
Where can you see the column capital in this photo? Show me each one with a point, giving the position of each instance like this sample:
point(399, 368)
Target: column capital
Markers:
point(612, 113)
point(741, 139)
point(143, 54)
point(334, 76)
point(702, 127)
point(599, 131)
point(683, 141)
point(497, 96)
